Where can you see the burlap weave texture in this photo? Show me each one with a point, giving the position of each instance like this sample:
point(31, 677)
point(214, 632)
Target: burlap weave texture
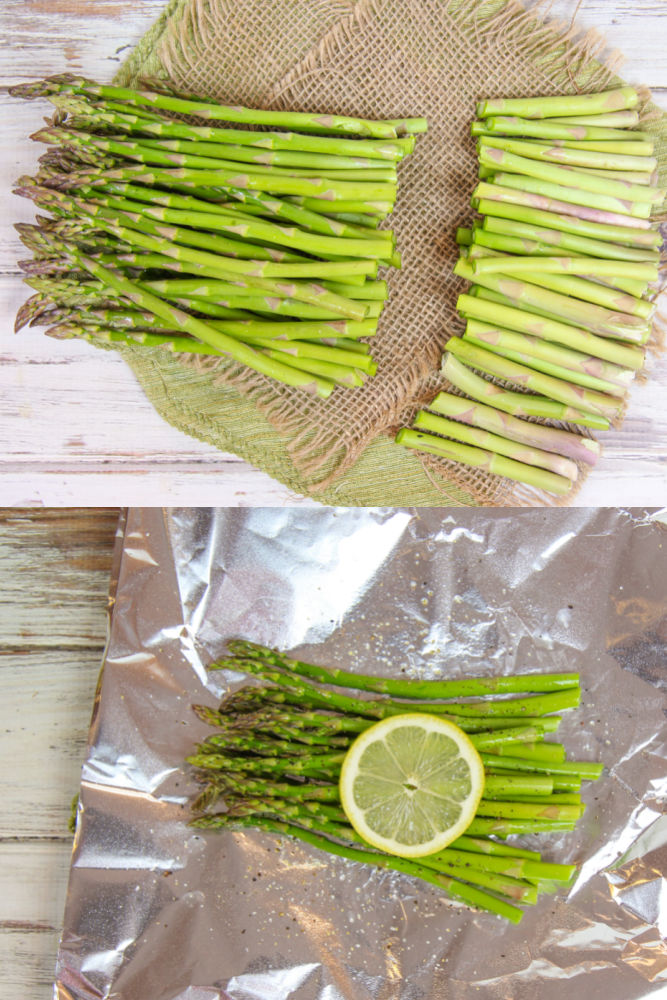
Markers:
point(376, 58)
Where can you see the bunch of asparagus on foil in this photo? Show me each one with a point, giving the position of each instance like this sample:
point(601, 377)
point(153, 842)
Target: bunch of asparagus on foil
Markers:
point(274, 762)
point(561, 263)
point(259, 246)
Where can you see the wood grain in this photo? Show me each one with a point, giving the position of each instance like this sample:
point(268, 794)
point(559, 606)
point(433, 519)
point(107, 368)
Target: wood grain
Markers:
point(31, 917)
point(75, 426)
point(73, 564)
point(32, 912)
point(54, 580)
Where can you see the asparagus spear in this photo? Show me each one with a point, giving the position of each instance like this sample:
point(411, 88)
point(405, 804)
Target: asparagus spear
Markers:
point(518, 404)
point(569, 265)
point(313, 188)
point(210, 288)
point(494, 443)
point(468, 894)
point(595, 318)
point(551, 129)
point(540, 211)
point(527, 223)
point(619, 99)
point(617, 377)
point(252, 273)
point(129, 118)
point(505, 243)
point(483, 459)
point(191, 154)
point(582, 769)
point(635, 198)
point(584, 203)
point(643, 179)
point(639, 147)
point(266, 708)
point(202, 331)
point(613, 119)
point(270, 306)
point(588, 400)
point(510, 318)
point(242, 201)
point(540, 704)
point(545, 356)
point(219, 112)
point(573, 446)
point(568, 155)
point(311, 161)
point(131, 229)
point(256, 231)
point(405, 688)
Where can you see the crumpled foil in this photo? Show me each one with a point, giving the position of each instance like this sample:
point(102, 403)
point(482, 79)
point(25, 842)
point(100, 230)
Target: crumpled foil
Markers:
point(159, 911)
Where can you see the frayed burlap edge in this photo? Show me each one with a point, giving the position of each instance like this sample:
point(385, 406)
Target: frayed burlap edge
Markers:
point(144, 59)
point(568, 59)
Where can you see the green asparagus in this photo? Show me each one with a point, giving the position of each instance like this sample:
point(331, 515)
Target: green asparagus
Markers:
point(275, 767)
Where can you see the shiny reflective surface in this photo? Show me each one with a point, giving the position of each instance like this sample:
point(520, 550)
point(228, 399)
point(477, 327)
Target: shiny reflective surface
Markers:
point(157, 911)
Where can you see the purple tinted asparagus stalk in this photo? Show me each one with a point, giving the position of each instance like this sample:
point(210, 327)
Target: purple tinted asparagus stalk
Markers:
point(518, 404)
point(573, 446)
point(588, 400)
point(482, 458)
point(475, 435)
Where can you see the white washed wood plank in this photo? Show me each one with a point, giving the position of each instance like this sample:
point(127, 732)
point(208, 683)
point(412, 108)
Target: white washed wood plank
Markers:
point(614, 488)
point(620, 480)
point(71, 35)
point(54, 579)
point(33, 883)
point(637, 28)
point(80, 404)
point(83, 403)
point(27, 961)
point(33, 619)
point(232, 483)
point(54, 569)
point(48, 699)
point(75, 426)
point(37, 902)
point(66, 406)
point(632, 469)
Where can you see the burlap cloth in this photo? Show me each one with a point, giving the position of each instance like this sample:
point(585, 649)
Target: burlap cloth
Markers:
point(378, 59)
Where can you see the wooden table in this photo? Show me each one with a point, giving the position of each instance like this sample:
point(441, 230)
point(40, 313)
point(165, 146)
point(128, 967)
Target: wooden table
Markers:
point(76, 427)
point(54, 579)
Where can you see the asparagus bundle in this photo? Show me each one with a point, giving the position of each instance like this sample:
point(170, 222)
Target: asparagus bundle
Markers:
point(274, 763)
point(259, 246)
point(559, 265)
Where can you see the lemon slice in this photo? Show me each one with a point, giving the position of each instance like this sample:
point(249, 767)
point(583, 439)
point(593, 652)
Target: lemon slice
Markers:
point(411, 784)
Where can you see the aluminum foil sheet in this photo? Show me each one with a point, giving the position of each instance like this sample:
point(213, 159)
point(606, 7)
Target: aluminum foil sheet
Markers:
point(158, 911)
